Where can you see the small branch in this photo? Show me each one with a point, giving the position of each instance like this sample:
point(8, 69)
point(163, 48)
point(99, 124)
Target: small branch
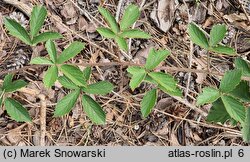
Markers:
point(193, 107)
point(118, 11)
point(42, 119)
point(244, 10)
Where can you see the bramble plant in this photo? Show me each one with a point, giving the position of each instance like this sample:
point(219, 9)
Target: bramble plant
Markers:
point(90, 106)
point(14, 109)
point(119, 32)
point(56, 63)
point(163, 81)
point(213, 44)
point(228, 101)
point(38, 16)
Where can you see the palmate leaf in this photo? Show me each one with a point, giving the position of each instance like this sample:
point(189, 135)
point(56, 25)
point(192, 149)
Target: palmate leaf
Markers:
point(51, 48)
point(150, 80)
point(101, 88)
point(134, 33)
point(65, 105)
point(148, 102)
point(74, 74)
point(41, 61)
point(7, 80)
point(43, 37)
point(87, 73)
point(246, 127)
point(109, 19)
point(17, 30)
point(121, 43)
point(175, 92)
point(217, 34)
point(18, 84)
point(197, 36)
point(9, 86)
point(138, 74)
point(50, 76)
point(67, 83)
point(37, 19)
point(155, 58)
point(106, 32)
point(93, 110)
point(16, 111)
point(242, 65)
point(70, 52)
point(223, 50)
point(218, 113)
point(230, 80)
point(234, 108)
point(241, 92)
point(131, 14)
point(164, 80)
point(208, 95)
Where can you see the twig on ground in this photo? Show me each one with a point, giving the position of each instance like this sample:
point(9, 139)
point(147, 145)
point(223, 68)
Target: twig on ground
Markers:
point(43, 106)
point(118, 11)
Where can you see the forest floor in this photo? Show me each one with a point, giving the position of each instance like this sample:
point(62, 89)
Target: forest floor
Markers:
point(174, 121)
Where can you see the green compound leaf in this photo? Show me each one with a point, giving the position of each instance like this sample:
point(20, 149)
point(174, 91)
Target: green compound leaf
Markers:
point(242, 65)
point(41, 61)
point(9, 86)
point(175, 92)
point(166, 82)
point(14, 86)
point(223, 50)
point(16, 111)
point(65, 105)
point(241, 92)
point(148, 102)
point(138, 74)
point(37, 19)
point(208, 95)
point(43, 37)
point(230, 80)
point(218, 113)
point(217, 34)
point(246, 127)
point(70, 52)
point(87, 73)
point(17, 30)
point(110, 19)
point(74, 74)
point(106, 32)
point(93, 110)
point(197, 36)
point(234, 108)
point(7, 80)
point(150, 80)
point(67, 83)
point(51, 48)
point(101, 88)
point(121, 43)
point(131, 14)
point(155, 58)
point(50, 76)
point(134, 33)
